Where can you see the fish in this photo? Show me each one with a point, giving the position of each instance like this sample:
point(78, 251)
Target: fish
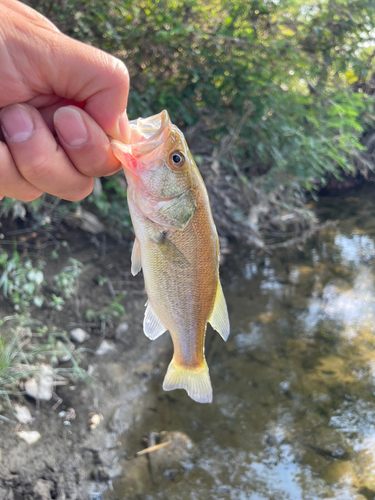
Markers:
point(176, 245)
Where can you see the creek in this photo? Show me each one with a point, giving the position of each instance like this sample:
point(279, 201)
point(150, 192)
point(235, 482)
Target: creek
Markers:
point(293, 415)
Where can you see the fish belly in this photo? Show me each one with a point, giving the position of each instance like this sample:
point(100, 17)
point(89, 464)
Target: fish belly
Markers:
point(183, 296)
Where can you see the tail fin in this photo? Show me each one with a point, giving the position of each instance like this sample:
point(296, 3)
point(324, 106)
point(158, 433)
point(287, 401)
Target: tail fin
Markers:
point(195, 381)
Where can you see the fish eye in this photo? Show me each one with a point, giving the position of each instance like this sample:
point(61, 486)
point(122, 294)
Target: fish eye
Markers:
point(177, 159)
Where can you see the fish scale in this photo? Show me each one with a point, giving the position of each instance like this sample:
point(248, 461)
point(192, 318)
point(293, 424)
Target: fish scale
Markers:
point(177, 248)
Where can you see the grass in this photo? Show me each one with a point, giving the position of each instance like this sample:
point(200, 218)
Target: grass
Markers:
point(23, 349)
point(27, 343)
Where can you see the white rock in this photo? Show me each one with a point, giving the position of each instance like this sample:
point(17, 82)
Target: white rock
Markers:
point(122, 329)
point(30, 437)
point(41, 385)
point(94, 421)
point(104, 348)
point(78, 335)
point(23, 414)
point(62, 355)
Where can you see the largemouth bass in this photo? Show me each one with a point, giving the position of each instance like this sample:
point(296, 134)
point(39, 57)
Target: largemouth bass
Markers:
point(177, 247)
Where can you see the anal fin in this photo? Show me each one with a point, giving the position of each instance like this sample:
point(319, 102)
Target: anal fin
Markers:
point(195, 381)
point(152, 326)
point(136, 258)
point(219, 319)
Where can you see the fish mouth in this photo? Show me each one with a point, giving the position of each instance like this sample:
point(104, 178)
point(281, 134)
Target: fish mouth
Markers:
point(151, 128)
point(146, 135)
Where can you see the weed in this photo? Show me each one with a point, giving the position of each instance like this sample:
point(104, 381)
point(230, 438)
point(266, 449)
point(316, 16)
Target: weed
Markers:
point(21, 282)
point(22, 353)
point(56, 302)
point(106, 315)
point(66, 282)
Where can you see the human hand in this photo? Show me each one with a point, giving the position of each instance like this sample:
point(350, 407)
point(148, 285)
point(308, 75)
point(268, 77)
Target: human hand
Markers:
point(67, 89)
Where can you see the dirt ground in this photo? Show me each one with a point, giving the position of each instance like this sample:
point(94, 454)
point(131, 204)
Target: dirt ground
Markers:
point(70, 460)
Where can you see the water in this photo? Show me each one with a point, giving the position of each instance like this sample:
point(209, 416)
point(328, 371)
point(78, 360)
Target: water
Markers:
point(293, 416)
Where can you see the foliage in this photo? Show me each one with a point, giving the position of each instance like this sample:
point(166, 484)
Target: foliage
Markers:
point(278, 84)
point(67, 280)
point(22, 282)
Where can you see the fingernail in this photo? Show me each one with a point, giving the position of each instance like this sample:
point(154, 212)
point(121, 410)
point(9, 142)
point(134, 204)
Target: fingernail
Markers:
point(17, 123)
point(70, 126)
point(124, 128)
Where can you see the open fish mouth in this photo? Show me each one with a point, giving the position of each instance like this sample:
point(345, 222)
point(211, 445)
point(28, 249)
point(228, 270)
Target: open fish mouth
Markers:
point(146, 135)
point(151, 128)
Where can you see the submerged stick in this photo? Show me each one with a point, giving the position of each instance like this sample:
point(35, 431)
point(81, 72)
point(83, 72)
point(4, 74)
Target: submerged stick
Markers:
point(150, 449)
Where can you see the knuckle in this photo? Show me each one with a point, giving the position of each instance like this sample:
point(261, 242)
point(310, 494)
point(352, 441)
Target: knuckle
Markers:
point(36, 167)
point(116, 71)
point(31, 195)
point(120, 73)
point(81, 193)
point(95, 162)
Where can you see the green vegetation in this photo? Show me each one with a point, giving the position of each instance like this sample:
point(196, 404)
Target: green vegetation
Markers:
point(106, 315)
point(275, 97)
point(25, 345)
point(281, 89)
point(23, 283)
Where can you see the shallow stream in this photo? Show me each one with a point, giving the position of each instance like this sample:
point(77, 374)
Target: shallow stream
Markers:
point(293, 415)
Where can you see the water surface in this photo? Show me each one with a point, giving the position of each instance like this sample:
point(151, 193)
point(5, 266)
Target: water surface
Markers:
point(293, 416)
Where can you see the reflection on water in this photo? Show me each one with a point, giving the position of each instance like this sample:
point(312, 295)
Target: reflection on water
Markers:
point(294, 408)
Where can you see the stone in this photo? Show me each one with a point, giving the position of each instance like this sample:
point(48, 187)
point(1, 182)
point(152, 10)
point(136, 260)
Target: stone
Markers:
point(40, 386)
point(122, 329)
point(79, 335)
point(94, 421)
point(23, 414)
point(181, 450)
point(30, 437)
point(340, 472)
point(62, 347)
point(105, 348)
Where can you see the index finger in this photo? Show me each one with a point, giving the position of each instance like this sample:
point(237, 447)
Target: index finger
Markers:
point(73, 70)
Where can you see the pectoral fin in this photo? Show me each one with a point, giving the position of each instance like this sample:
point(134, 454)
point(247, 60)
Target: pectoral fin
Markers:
point(152, 326)
point(171, 253)
point(136, 258)
point(219, 317)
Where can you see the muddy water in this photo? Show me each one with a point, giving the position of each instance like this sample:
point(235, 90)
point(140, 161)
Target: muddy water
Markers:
point(293, 415)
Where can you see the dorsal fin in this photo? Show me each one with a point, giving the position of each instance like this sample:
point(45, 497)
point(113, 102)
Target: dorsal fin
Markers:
point(219, 317)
